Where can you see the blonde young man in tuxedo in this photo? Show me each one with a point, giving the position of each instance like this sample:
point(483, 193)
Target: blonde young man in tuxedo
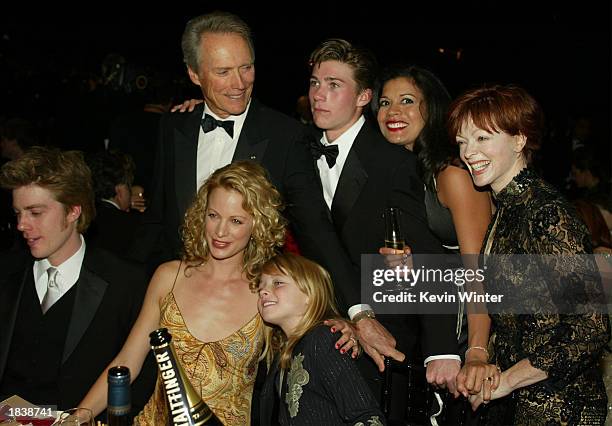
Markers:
point(66, 308)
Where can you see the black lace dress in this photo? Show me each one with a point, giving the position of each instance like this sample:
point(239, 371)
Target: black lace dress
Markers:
point(533, 218)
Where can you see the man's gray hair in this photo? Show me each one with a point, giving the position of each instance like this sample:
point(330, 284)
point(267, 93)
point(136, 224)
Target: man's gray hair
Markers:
point(214, 22)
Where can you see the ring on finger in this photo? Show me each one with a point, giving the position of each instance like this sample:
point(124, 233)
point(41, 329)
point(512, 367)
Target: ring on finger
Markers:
point(353, 339)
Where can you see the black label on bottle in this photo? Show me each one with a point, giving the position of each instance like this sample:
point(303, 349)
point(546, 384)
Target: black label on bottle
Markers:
point(175, 391)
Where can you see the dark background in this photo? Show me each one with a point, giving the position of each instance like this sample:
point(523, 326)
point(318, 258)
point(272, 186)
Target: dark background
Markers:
point(50, 60)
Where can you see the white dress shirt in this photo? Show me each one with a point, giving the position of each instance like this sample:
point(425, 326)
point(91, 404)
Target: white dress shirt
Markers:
point(330, 176)
point(216, 148)
point(67, 273)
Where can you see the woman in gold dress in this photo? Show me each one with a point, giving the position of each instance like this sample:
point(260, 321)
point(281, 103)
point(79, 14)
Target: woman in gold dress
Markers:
point(207, 299)
point(549, 359)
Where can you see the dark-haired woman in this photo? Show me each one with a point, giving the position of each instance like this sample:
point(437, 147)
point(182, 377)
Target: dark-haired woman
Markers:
point(411, 106)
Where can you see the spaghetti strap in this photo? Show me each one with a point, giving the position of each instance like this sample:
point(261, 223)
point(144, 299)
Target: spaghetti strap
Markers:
point(177, 274)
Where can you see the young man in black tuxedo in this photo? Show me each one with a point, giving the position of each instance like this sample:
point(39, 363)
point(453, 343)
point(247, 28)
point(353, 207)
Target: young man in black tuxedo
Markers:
point(66, 308)
point(361, 174)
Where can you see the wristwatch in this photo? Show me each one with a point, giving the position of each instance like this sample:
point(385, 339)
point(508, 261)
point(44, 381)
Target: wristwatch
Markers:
point(368, 313)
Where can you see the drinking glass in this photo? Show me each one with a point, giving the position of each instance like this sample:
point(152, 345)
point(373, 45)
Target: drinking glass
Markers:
point(394, 238)
point(76, 417)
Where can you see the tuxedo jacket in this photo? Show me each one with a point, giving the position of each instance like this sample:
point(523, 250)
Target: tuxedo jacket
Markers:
point(268, 137)
point(109, 293)
point(113, 229)
point(377, 174)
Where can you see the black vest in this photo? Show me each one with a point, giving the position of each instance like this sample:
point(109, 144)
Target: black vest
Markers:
point(37, 345)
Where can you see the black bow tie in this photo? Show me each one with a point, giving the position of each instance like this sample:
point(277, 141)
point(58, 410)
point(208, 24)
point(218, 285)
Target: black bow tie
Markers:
point(329, 151)
point(209, 123)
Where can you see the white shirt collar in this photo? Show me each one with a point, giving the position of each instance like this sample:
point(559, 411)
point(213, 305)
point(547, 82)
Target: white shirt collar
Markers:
point(67, 273)
point(106, 200)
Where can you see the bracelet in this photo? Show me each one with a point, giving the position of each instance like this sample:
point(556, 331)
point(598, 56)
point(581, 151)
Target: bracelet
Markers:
point(477, 347)
point(363, 314)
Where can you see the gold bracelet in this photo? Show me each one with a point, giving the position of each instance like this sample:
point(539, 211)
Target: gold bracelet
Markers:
point(477, 347)
point(363, 314)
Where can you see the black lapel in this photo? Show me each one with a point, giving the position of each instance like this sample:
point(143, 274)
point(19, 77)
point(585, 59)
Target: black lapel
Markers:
point(11, 288)
point(90, 290)
point(352, 180)
point(185, 155)
point(315, 137)
point(251, 143)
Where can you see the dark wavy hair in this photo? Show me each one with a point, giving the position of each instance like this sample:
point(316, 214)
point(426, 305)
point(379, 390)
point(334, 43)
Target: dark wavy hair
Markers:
point(432, 146)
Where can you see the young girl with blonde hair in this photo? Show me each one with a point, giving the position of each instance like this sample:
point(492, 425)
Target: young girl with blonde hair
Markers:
point(317, 385)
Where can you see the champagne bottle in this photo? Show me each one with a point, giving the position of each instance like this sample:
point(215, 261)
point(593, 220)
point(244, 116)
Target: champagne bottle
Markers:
point(185, 406)
point(119, 399)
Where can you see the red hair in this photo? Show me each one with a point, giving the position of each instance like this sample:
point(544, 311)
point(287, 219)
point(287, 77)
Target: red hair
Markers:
point(508, 109)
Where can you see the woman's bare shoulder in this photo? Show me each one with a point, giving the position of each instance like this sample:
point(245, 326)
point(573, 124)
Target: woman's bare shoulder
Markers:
point(454, 174)
point(169, 268)
point(165, 275)
point(455, 184)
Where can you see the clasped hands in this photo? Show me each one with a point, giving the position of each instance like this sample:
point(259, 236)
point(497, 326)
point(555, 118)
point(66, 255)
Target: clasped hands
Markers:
point(481, 382)
point(378, 343)
point(477, 380)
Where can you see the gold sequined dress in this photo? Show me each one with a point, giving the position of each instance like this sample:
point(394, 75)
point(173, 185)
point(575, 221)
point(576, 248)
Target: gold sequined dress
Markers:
point(533, 219)
point(223, 372)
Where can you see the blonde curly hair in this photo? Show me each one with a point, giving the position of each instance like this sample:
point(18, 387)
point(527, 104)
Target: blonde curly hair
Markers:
point(260, 199)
